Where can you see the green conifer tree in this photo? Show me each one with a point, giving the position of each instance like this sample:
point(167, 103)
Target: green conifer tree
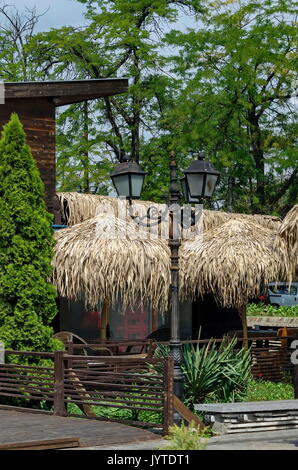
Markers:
point(27, 298)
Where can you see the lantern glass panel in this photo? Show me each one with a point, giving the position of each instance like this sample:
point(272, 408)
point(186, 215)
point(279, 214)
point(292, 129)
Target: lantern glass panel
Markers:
point(136, 185)
point(210, 185)
point(121, 183)
point(184, 189)
point(195, 184)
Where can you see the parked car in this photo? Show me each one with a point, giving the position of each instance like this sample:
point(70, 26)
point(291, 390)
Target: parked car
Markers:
point(283, 294)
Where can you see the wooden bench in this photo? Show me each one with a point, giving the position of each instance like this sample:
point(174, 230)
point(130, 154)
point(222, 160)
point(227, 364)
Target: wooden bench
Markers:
point(254, 416)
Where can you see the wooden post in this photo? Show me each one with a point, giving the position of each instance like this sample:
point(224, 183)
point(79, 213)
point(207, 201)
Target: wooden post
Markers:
point(168, 394)
point(59, 405)
point(242, 312)
point(104, 319)
point(154, 320)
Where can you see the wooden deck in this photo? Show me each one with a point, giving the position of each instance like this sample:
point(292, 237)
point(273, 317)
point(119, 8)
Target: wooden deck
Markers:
point(21, 427)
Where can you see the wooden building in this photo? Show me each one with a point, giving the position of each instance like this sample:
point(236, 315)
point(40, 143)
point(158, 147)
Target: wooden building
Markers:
point(35, 103)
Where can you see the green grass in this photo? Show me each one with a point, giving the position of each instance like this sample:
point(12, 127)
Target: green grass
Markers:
point(118, 413)
point(261, 310)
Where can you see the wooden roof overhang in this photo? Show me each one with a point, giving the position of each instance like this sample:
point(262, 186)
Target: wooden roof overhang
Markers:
point(61, 93)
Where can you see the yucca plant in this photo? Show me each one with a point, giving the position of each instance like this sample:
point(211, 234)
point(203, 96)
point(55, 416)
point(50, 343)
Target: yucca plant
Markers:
point(213, 372)
point(218, 373)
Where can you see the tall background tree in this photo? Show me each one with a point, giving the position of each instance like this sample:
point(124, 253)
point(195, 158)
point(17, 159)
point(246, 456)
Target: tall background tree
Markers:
point(239, 67)
point(120, 39)
point(17, 28)
point(27, 299)
point(225, 86)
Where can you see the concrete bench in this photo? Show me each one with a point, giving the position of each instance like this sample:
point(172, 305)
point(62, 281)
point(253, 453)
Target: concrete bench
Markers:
point(250, 416)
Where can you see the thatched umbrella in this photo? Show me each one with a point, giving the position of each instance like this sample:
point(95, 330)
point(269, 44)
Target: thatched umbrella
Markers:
point(106, 258)
point(288, 231)
point(233, 261)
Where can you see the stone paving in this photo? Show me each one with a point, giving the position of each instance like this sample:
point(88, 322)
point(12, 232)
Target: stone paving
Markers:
point(269, 440)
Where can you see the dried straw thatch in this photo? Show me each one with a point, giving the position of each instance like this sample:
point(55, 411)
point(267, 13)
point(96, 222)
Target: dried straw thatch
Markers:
point(214, 219)
point(288, 231)
point(233, 261)
point(78, 207)
point(105, 258)
point(234, 258)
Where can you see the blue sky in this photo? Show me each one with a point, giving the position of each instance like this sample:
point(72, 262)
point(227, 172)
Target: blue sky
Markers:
point(61, 12)
point(66, 13)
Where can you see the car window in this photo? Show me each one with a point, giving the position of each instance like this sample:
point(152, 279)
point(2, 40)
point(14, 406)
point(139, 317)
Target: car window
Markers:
point(283, 290)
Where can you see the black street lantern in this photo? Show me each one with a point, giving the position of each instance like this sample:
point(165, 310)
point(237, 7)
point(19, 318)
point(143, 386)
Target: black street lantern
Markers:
point(128, 179)
point(201, 178)
point(199, 182)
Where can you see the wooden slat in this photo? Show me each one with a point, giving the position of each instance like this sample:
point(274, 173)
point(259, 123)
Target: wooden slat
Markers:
point(128, 407)
point(187, 414)
point(44, 444)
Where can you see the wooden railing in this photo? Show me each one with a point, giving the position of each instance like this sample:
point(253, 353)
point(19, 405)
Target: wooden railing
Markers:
point(131, 384)
point(271, 355)
point(26, 380)
point(98, 385)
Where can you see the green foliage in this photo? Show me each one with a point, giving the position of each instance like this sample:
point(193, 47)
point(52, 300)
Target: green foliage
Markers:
point(119, 413)
point(261, 390)
point(215, 373)
point(17, 59)
point(80, 164)
point(27, 299)
point(186, 438)
point(120, 39)
point(225, 86)
point(239, 66)
point(271, 311)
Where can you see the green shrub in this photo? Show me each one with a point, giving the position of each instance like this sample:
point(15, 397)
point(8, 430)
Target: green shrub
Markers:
point(27, 298)
point(186, 438)
point(270, 311)
point(262, 390)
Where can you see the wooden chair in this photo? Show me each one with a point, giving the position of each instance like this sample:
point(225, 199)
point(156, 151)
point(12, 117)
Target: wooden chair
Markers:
point(69, 339)
point(77, 380)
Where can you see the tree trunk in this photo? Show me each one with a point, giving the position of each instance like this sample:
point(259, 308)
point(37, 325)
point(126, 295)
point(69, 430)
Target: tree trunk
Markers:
point(104, 319)
point(85, 156)
point(258, 157)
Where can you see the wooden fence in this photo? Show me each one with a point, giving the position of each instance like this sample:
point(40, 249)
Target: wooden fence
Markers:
point(122, 388)
point(271, 355)
point(98, 385)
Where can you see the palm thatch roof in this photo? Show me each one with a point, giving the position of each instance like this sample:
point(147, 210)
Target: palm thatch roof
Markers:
point(105, 258)
point(288, 231)
point(78, 207)
point(233, 261)
point(234, 256)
